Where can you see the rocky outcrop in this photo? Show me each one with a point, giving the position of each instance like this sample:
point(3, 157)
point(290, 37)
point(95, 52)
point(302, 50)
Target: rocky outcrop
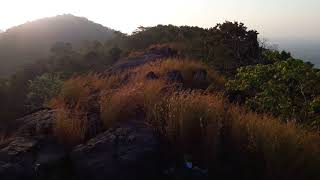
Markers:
point(128, 151)
point(38, 123)
point(28, 158)
point(154, 54)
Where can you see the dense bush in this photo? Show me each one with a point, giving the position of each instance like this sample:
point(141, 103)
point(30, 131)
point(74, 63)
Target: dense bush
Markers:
point(42, 89)
point(225, 47)
point(288, 89)
point(271, 56)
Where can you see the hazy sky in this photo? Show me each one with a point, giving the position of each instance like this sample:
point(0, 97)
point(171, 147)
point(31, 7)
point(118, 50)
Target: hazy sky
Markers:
point(293, 19)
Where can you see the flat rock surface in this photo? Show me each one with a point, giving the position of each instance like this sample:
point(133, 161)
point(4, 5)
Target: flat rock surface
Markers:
point(128, 151)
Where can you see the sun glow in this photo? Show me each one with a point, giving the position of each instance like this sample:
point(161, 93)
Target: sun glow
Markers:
point(126, 15)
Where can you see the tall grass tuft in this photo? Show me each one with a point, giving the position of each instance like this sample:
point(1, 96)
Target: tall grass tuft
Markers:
point(122, 104)
point(71, 126)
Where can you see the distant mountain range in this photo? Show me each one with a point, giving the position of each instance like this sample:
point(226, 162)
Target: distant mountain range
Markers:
point(31, 41)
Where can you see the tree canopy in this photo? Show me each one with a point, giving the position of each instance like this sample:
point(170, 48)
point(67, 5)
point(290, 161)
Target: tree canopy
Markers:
point(289, 89)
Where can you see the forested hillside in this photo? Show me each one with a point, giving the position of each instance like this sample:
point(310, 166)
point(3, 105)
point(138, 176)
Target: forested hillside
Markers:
point(32, 41)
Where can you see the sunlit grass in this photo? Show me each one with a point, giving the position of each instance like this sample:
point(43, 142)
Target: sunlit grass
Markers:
point(198, 123)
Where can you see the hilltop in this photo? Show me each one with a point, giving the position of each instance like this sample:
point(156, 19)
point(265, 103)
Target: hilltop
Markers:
point(166, 102)
point(164, 118)
point(32, 41)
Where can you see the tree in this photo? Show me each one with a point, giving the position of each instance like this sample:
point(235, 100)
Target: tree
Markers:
point(42, 89)
point(289, 89)
point(115, 53)
point(271, 56)
point(61, 48)
point(232, 45)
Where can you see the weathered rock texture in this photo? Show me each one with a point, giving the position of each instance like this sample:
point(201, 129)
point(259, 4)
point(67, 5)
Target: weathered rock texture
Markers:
point(128, 151)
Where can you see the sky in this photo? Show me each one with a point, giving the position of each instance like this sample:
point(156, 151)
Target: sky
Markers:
point(274, 19)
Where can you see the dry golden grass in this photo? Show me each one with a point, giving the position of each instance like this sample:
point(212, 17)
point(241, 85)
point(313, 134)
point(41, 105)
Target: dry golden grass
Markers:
point(75, 91)
point(287, 150)
point(199, 124)
point(71, 126)
point(194, 122)
point(122, 104)
point(132, 101)
point(214, 81)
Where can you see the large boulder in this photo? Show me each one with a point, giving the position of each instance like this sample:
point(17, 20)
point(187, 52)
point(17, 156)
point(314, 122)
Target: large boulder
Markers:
point(128, 151)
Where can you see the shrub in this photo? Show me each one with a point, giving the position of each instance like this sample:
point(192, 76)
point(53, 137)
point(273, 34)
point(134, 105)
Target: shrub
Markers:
point(43, 88)
point(286, 89)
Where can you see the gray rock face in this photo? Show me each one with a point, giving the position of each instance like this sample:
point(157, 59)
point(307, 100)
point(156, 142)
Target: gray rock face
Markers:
point(17, 158)
point(23, 158)
point(153, 55)
point(129, 151)
point(38, 123)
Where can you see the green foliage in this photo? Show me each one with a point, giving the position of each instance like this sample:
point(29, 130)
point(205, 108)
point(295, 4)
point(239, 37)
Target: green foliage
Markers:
point(231, 45)
point(272, 56)
point(289, 89)
point(43, 88)
point(226, 46)
point(61, 48)
point(115, 53)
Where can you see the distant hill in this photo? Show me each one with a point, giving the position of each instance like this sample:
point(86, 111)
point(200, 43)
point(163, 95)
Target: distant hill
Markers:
point(30, 41)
